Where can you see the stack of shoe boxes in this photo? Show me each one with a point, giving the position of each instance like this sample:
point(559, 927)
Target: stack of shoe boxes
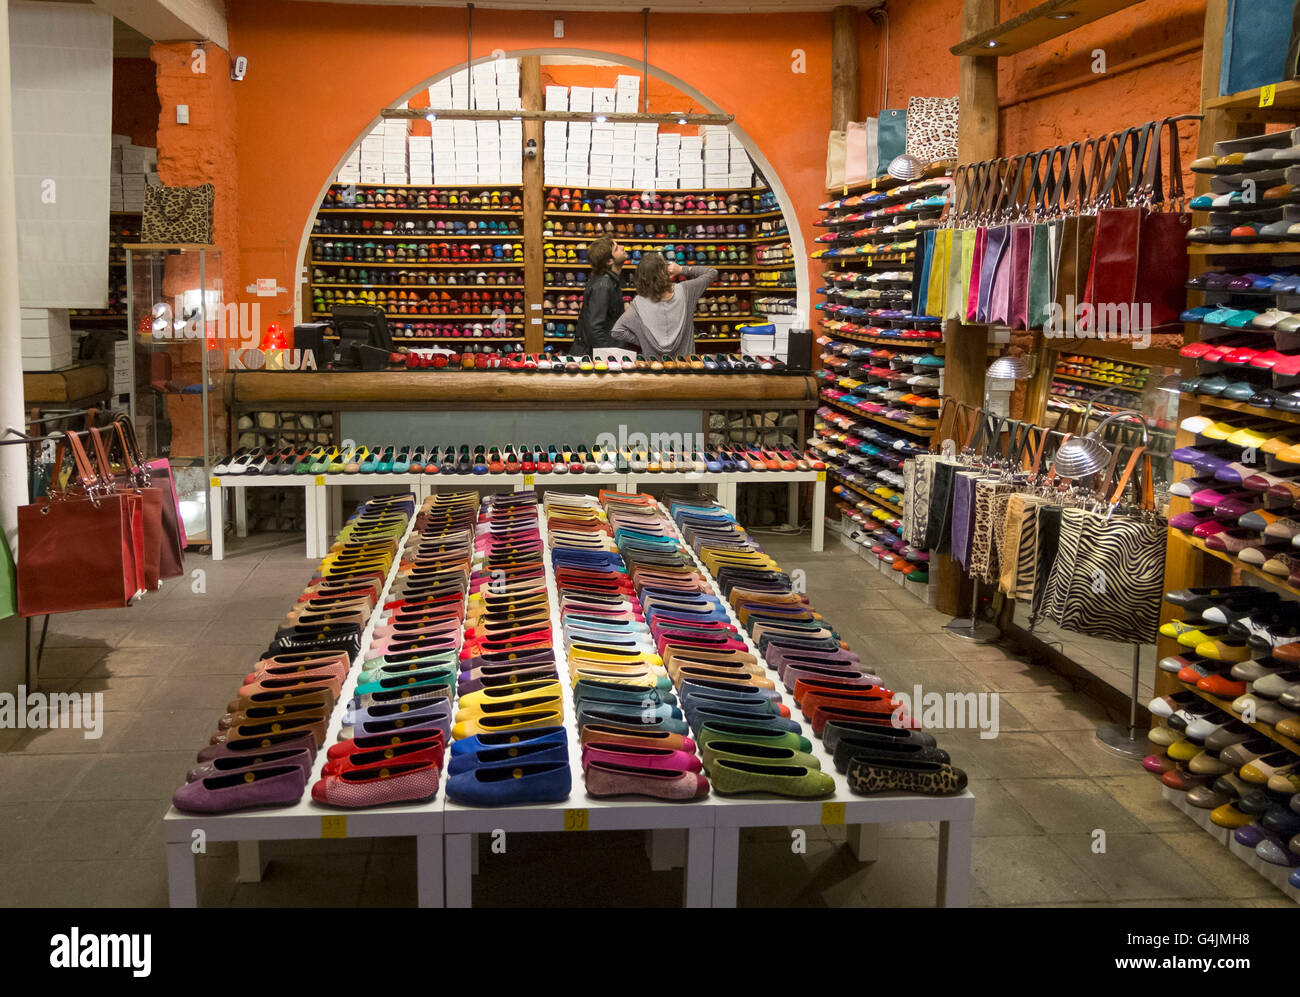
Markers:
point(485, 87)
point(465, 146)
point(624, 155)
point(576, 162)
point(440, 94)
point(488, 136)
point(350, 171)
point(668, 166)
point(419, 151)
point(394, 139)
point(554, 151)
point(512, 152)
point(581, 98)
point(557, 98)
point(372, 157)
point(508, 98)
point(742, 168)
point(627, 93)
point(717, 155)
point(691, 161)
point(46, 338)
point(643, 155)
point(603, 149)
point(602, 100)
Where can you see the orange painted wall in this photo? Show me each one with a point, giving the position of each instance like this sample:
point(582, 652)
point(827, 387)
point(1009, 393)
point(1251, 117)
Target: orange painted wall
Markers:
point(1083, 103)
point(319, 74)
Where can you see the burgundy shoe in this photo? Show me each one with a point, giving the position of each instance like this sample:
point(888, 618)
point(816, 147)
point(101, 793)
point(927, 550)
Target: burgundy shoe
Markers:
point(271, 785)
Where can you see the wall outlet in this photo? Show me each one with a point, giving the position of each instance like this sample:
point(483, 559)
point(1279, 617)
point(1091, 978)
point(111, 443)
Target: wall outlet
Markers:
point(182, 114)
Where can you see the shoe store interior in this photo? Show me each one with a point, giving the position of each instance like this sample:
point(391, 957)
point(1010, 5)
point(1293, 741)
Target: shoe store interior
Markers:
point(699, 454)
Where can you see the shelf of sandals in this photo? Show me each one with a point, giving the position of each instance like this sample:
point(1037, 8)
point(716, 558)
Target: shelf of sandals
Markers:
point(881, 372)
point(1227, 746)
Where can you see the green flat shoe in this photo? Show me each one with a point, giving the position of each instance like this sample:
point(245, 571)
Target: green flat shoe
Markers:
point(758, 754)
point(755, 733)
point(730, 776)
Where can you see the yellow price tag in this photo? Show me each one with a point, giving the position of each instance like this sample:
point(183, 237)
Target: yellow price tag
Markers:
point(320, 479)
point(845, 191)
point(1267, 94)
point(821, 475)
point(528, 481)
point(215, 482)
point(336, 826)
point(575, 820)
point(832, 813)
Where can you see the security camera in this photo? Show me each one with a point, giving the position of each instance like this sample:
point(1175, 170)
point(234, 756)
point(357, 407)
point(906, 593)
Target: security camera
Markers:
point(530, 150)
point(239, 68)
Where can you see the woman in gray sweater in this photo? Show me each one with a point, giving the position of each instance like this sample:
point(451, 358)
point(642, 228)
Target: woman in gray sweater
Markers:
point(660, 321)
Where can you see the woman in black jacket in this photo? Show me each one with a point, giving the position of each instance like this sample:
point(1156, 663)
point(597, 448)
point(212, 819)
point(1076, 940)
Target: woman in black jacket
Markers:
point(602, 298)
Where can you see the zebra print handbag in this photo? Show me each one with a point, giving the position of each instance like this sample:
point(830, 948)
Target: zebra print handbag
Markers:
point(1107, 579)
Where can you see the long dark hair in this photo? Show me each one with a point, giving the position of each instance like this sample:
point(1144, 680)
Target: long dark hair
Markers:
point(652, 278)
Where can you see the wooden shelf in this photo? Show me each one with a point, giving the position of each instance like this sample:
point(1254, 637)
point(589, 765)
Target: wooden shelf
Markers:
point(716, 266)
point(1246, 569)
point(1286, 101)
point(642, 216)
point(1096, 384)
point(637, 241)
point(1037, 25)
point(1243, 249)
point(424, 287)
point(859, 414)
point(670, 192)
point(428, 186)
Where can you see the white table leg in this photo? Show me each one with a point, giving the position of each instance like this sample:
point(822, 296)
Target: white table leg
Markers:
point(792, 503)
point(954, 863)
point(217, 517)
point(428, 870)
point(251, 863)
point(700, 861)
point(320, 495)
point(630, 485)
point(182, 889)
point(459, 879)
point(666, 848)
point(726, 865)
point(864, 841)
point(728, 495)
point(241, 512)
point(310, 522)
point(819, 515)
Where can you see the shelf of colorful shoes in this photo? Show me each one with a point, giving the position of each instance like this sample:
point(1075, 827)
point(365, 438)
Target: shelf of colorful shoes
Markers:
point(715, 289)
point(1243, 249)
point(635, 242)
point(672, 192)
point(488, 264)
point(435, 316)
point(1099, 384)
point(883, 503)
point(698, 318)
point(898, 259)
point(1279, 876)
point(1268, 730)
point(467, 212)
point(1242, 407)
point(1246, 569)
point(891, 423)
point(857, 337)
point(716, 266)
point(449, 187)
point(433, 236)
point(421, 287)
point(650, 215)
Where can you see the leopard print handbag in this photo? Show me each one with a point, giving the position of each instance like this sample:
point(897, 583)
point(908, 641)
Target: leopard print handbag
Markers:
point(932, 128)
point(178, 215)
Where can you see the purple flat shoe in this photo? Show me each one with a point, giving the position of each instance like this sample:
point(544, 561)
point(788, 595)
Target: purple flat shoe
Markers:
point(272, 785)
point(302, 757)
point(1234, 473)
point(1191, 519)
point(1218, 281)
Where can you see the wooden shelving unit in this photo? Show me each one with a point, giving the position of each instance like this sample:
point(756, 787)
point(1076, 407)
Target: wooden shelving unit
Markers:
point(1037, 25)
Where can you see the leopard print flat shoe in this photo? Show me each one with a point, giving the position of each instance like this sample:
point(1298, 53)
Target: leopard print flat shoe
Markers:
point(879, 775)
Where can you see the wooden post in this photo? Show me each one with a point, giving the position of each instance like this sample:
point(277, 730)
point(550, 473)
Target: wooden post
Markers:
point(966, 347)
point(530, 78)
point(844, 67)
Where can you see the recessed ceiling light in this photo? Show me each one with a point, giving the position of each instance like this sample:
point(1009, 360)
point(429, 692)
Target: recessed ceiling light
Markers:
point(601, 119)
point(430, 117)
point(993, 44)
point(1063, 15)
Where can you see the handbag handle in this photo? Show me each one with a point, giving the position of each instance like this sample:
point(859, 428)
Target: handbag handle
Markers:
point(1051, 475)
point(1147, 500)
point(992, 186)
point(1051, 188)
point(1003, 208)
point(1039, 450)
point(131, 445)
point(1175, 171)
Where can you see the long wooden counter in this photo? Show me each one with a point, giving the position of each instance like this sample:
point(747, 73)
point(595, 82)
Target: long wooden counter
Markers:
point(424, 390)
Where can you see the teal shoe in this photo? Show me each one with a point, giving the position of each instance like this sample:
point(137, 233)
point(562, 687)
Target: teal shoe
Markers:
point(385, 462)
point(401, 463)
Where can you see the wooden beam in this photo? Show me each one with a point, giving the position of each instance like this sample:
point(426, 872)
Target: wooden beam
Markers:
point(173, 20)
point(845, 74)
point(1037, 25)
point(530, 83)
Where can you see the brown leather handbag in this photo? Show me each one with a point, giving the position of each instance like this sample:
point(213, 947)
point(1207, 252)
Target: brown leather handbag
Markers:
point(155, 475)
point(83, 546)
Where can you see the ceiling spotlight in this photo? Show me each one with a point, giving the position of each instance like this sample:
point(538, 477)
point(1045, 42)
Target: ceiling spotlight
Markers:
point(1010, 368)
point(601, 119)
point(430, 117)
point(1063, 15)
point(906, 167)
point(993, 44)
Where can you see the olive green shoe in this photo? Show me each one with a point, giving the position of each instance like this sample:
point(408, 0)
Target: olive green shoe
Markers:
point(755, 733)
point(730, 776)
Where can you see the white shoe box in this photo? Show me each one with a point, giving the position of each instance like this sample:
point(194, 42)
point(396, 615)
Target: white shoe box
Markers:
point(603, 100)
point(557, 98)
point(627, 103)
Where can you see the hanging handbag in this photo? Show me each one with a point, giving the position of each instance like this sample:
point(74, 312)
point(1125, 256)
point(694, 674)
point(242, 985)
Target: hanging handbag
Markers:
point(932, 128)
point(156, 474)
point(8, 580)
point(921, 279)
point(178, 215)
point(891, 138)
point(835, 160)
point(937, 289)
point(1162, 239)
point(1107, 579)
point(994, 289)
point(1112, 271)
point(1010, 305)
point(81, 548)
point(150, 507)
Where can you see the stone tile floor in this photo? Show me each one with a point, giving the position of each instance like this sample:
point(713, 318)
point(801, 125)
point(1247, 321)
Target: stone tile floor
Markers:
point(80, 819)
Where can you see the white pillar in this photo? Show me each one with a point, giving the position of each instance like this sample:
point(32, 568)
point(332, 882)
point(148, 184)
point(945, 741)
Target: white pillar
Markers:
point(13, 461)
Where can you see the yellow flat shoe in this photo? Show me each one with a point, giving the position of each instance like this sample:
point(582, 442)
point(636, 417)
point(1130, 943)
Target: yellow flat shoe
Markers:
point(1183, 751)
point(507, 724)
point(1229, 816)
point(500, 695)
point(1173, 628)
point(1247, 438)
point(1205, 763)
point(1220, 650)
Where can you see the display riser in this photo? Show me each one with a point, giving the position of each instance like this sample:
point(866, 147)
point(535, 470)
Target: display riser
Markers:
point(1275, 874)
